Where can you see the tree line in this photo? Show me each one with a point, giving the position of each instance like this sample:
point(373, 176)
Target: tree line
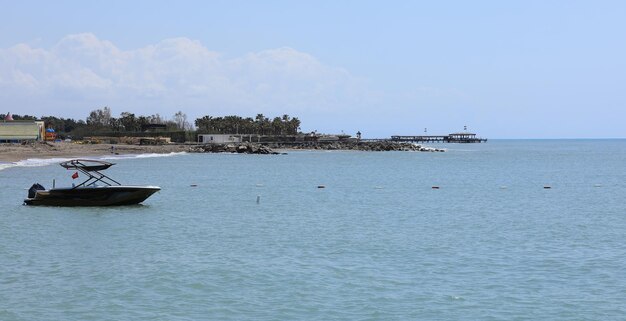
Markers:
point(260, 125)
point(101, 121)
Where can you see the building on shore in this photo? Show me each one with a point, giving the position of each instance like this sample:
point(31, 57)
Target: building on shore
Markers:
point(218, 138)
point(21, 130)
point(268, 139)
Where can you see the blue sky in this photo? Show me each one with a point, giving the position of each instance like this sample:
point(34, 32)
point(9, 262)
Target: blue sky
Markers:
point(506, 69)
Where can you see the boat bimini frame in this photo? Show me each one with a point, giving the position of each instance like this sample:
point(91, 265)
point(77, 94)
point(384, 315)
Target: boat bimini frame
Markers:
point(91, 168)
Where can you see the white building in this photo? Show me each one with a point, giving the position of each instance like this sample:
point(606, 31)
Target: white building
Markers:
point(218, 138)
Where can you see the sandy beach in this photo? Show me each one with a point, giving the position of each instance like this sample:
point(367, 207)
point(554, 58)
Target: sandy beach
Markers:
point(17, 152)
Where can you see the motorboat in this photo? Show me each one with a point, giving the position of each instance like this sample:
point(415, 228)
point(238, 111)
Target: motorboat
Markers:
point(97, 190)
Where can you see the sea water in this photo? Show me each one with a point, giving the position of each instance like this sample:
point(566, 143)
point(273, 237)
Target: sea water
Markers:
point(252, 237)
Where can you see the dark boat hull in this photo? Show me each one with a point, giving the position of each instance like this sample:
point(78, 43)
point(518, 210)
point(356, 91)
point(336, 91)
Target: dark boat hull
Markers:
point(93, 196)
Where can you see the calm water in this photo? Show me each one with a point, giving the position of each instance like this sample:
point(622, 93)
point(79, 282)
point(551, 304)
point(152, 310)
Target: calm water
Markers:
point(376, 244)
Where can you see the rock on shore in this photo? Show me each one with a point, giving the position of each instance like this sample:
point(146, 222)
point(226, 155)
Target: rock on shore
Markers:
point(242, 148)
point(16, 152)
point(375, 146)
point(254, 148)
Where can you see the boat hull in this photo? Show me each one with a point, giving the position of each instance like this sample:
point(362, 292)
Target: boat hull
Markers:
point(93, 196)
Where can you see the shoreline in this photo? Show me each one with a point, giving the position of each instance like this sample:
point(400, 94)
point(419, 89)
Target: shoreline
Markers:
point(13, 153)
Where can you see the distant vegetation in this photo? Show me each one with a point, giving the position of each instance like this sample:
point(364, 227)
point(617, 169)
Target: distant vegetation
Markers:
point(101, 122)
point(260, 125)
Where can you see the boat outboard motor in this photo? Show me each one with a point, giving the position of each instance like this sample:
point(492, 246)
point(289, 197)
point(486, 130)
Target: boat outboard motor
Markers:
point(32, 191)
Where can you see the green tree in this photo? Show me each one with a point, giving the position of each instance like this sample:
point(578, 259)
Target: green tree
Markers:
point(99, 118)
point(180, 121)
point(129, 122)
point(294, 126)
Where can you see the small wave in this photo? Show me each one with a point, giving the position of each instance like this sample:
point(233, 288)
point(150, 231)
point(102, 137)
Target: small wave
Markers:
point(6, 165)
point(161, 155)
point(33, 162)
point(37, 162)
point(463, 150)
point(150, 155)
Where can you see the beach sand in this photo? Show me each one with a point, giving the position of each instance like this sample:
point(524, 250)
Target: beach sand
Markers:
point(17, 152)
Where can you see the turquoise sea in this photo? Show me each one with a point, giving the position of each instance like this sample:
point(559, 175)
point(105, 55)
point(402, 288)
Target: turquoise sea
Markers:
point(378, 243)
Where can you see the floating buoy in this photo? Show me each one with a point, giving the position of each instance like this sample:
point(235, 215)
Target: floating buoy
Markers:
point(597, 185)
point(321, 186)
point(193, 185)
point(378, 187)
point(435, 187)
point(259, 185)
point(503, 187)
point(547, 187)
point(258, 199)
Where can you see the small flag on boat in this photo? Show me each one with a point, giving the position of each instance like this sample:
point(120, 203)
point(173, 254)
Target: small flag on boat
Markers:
point(75, 175)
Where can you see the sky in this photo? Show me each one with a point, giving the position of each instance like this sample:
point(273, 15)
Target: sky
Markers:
point(504, 69)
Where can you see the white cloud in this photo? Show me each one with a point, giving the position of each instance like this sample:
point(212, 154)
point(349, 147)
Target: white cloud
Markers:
point(173, 74)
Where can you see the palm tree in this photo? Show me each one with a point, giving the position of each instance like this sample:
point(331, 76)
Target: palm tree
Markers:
point(294, 126)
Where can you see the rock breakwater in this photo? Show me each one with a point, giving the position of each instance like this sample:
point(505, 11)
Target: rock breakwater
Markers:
point(242, 148)
point(376, 146)
point(269, 149)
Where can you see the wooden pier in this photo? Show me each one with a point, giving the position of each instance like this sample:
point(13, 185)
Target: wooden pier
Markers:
point(451, 138)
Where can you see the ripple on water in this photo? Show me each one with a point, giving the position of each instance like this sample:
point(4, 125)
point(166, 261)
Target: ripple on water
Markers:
point(350, 251)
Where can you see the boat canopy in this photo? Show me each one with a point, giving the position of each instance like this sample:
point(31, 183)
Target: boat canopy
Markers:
point(91, 168)
point(87, 165)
